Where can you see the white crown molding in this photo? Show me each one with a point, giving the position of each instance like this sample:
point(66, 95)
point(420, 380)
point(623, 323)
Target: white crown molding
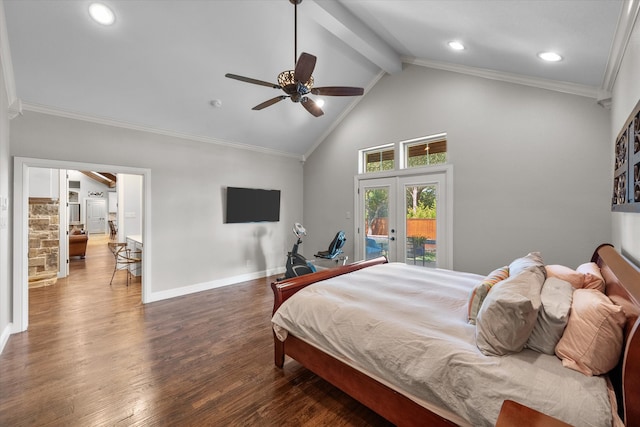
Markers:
point(5, 59)
point(624, 29)
point(37, 108)
point(15, 109)
point(565, 87)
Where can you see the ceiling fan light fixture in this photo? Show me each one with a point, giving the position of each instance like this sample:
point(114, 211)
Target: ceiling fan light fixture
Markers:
point(102, 14)
point(288, 77)
point(319, 102)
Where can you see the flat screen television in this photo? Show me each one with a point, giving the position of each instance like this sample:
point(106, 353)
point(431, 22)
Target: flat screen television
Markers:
point(252, 205)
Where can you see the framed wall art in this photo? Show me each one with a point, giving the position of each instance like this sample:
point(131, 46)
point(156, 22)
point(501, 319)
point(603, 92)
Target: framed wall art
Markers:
point(626, 175)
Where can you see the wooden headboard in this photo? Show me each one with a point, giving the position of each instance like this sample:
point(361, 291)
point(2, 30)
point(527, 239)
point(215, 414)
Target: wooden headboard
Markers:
point(623, 287)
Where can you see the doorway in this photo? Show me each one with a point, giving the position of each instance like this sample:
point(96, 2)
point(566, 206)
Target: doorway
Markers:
point(21, 227)
point(406, 217)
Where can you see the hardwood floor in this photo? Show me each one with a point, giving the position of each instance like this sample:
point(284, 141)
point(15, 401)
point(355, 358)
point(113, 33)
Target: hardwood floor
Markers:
point(95, 356)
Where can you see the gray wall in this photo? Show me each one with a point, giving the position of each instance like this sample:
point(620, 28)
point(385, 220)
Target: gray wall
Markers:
point(531, 166)
point(626, 93)
point(191, 245)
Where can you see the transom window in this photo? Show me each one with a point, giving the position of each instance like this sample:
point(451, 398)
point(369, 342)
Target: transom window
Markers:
point(431, 150)
point(417, 152)
point(377, 159)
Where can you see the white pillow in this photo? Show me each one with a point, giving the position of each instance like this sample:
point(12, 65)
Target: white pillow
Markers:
point(508, 313)
point(556, 297)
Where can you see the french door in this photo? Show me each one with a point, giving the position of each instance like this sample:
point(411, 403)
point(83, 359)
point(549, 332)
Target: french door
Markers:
point(406, 218)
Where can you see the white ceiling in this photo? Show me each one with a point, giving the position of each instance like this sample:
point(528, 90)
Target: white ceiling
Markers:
point(162, 63)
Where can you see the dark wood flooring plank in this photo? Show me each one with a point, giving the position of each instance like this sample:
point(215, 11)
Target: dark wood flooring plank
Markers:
point(95, 356)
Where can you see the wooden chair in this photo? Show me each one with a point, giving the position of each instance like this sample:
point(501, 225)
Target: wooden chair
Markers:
point(125, 259)
point(113, 230)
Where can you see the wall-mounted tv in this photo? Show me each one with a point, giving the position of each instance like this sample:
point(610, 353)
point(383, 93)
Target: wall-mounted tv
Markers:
point(252, 205)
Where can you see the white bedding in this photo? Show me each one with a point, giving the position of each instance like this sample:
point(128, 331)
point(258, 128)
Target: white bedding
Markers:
point(407, 325)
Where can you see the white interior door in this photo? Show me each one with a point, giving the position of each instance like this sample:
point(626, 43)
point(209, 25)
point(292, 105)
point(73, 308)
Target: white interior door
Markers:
point(96, 216)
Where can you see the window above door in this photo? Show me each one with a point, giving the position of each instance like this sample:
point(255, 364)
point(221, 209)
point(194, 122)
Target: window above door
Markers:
point(417, 152)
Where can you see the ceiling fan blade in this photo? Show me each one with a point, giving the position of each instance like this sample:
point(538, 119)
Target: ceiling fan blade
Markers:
point(312, 107)
point(250, 80)
point(304, 67)
point(337, 91)
point(270, 102)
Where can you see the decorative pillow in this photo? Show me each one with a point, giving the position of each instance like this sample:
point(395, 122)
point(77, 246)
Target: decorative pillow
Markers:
point(479, 293)
point(508, 313)
point(532, 260)
point(556, 297)
point(565, 273)
point(592, 276)
point(592, 341)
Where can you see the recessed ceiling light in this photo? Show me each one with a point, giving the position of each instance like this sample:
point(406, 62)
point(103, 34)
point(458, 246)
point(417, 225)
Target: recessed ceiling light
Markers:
point(101, 14)
point(456, 45)
point(549, 56)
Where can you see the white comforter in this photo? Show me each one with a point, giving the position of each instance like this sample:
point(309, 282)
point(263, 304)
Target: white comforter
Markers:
point(407, 326)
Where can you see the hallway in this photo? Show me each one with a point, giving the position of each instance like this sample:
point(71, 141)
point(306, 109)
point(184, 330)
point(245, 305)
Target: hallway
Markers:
point(97, 265)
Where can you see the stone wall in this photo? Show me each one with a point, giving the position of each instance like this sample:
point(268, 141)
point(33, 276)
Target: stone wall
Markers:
point(44, 237)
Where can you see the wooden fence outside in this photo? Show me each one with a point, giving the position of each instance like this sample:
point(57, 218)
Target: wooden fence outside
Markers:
point(416, 227)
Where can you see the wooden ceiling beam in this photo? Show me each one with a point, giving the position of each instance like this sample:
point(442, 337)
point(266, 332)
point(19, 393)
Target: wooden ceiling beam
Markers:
point(105, 178)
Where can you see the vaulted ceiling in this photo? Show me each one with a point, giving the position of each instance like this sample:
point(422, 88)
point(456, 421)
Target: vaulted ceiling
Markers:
point(161, 66)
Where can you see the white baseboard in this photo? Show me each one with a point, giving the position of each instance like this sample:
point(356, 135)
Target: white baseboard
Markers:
point(6, 333)
point(205, 286)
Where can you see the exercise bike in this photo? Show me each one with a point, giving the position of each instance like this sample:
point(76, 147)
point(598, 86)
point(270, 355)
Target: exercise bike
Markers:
point(297, 265)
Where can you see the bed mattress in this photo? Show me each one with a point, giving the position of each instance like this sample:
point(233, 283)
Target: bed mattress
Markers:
point(407, 326)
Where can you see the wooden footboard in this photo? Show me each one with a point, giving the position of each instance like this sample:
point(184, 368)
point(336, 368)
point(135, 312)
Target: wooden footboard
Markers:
point(284, 289)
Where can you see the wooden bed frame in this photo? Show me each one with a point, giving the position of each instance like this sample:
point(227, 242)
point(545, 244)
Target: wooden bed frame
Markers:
point(623, 287)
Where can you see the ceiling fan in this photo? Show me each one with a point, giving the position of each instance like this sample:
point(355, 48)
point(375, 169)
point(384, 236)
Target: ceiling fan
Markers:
point(298, 83)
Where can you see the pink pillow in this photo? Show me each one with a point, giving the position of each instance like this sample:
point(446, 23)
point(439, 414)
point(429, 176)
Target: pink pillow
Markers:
point(567, 274)
point(592, 340)
point(592, 276)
